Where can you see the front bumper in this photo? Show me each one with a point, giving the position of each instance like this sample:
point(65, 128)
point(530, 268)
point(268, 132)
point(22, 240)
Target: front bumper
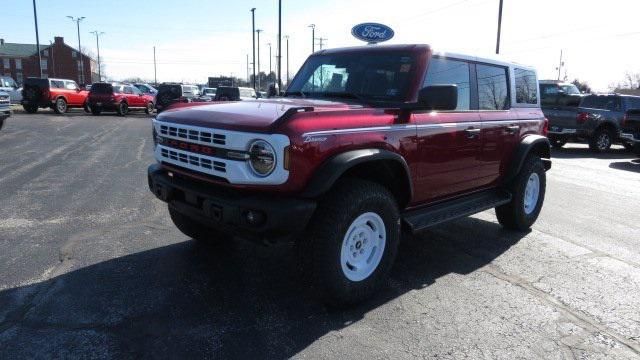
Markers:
point(274, 218)
point(5, 113)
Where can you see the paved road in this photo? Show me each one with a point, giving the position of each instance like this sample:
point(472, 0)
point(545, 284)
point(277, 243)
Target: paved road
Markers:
point(92, 267)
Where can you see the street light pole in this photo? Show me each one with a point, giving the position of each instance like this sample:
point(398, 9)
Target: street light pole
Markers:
point(81, 73)
point(499, 28)
point(155, 74)
point(313, 38)
point(279, 44)
point(258, 31)
point(253, 41)
point(97, 34)
point(35, 19)
point(287, 38)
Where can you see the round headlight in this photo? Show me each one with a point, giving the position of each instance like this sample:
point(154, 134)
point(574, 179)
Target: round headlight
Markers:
point(262, 157)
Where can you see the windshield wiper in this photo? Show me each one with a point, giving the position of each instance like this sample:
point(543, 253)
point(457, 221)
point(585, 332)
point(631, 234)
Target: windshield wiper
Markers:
point(297, 92)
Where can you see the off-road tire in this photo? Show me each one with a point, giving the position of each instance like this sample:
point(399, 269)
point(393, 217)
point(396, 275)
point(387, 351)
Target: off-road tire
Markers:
point(149, 109)
point(60, 106)
point(512, 215)
point(1, 123)
point(30, 109)
point(601, 140)
point(194, 229)
point(122, 109)
point(319, 251)
point(87, 108)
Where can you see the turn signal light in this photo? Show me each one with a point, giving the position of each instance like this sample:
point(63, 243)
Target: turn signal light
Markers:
point(545, 127)
point(286, 158)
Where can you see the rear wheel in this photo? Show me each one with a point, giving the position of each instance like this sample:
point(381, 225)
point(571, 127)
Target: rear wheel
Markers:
point(149, 108)
point(352, 243)
point(122, 109)
point(194, 229)
point(87, 107)
point(31, 109)
point(60, 106)
point(601, 140)
point(528, 190)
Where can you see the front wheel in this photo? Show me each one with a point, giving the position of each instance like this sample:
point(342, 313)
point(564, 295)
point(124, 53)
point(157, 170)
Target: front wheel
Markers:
point(352, 243)
point(60, 106)
point(528, 191)
point(601, 140)
point(149, 109)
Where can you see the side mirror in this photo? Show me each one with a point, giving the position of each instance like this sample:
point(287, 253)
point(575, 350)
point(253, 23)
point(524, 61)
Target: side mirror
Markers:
point(438, 97)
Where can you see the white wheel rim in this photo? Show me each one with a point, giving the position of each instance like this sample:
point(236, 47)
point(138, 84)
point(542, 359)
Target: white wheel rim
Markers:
point(531, 193)
point(363, 246)
point(603, 141)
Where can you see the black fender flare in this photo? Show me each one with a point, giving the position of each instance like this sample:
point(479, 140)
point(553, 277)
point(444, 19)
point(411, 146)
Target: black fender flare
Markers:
point(332, 169)
point(530, 143)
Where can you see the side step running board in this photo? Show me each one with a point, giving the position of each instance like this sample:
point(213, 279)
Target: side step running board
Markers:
point(426, 217)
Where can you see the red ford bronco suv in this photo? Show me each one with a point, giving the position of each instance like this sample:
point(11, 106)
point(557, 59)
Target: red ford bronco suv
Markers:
point(366, 141)
point(58, 94)
point(120, 98)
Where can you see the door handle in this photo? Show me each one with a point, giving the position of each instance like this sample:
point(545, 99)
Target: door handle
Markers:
point(512, 129)
point(472, 132)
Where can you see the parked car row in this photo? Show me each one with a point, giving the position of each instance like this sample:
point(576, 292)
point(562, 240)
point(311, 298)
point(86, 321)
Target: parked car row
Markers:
point(5, 107)
point(598, 119)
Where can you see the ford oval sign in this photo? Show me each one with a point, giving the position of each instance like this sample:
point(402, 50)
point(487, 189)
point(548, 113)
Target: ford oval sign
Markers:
point(372, 32)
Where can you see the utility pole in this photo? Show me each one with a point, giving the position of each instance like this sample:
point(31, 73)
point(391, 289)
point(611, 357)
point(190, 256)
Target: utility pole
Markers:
point(499, 28)
point(560, 65)
point(321, 42)
point(97, 34)
point(258, 31)
point(313, 37)
point(35, 19)
point(287, 38)
point(253, 46)
point(248, 80)
point(81, 74)
point(53, 60)
point(279, 44)
point(155, 74)
point(269, 58)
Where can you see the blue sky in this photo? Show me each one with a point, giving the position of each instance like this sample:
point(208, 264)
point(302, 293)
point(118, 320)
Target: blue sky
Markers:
point(196, 39)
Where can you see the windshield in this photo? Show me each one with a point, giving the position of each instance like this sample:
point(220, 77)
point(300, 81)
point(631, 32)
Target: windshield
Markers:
point(570, 89)
point(365, 76)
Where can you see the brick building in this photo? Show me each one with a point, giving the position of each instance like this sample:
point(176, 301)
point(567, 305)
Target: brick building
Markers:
point(59, 60)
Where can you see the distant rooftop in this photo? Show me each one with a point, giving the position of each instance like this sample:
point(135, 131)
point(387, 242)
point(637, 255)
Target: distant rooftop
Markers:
point(19, 50)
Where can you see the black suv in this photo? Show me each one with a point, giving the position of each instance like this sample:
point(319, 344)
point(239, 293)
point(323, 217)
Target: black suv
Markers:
point(171, 93)
point(597, 120)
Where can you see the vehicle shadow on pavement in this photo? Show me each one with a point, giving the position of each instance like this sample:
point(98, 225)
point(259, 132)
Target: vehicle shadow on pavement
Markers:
point(577, 153)
point(239, 300)
point(633, 165)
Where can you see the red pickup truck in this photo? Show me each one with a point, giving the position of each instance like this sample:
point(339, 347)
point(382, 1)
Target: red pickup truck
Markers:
point(58, 94)
point(366, 141)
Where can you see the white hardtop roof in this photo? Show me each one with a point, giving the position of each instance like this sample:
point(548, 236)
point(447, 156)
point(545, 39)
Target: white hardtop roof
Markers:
point(498, 60)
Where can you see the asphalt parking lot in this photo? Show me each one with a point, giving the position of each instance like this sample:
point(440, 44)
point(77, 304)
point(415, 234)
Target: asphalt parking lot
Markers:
point(92, 267)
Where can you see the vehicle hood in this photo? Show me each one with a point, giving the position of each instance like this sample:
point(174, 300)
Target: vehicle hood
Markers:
point(248, 115)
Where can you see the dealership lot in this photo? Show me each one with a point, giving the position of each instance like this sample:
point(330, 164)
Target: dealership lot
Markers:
point(93, 267)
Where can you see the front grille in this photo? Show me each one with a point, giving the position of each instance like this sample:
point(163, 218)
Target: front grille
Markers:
point(189, 134)
point(194, 160)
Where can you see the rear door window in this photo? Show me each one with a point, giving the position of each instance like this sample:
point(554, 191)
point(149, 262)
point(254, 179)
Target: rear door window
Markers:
point(526, 86)
point(601, 102)
point(443, 71)
point(57, 84)
point(493, 88)
point(633, 103)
